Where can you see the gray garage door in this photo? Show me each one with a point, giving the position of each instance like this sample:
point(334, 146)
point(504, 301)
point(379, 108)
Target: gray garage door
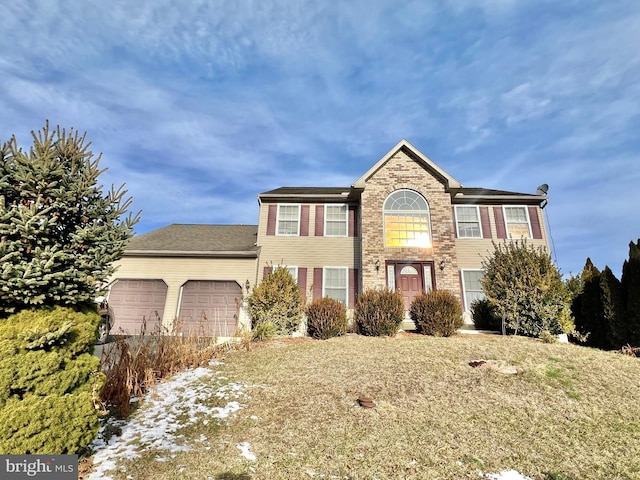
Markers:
point(210, 307)
point(135, 302)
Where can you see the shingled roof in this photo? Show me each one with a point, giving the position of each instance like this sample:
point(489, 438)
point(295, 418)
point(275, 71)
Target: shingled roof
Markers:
point(331, 194)
point(488, 195)
point(197, 240)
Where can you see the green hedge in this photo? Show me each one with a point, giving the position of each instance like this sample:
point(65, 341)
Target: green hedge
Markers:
point(49, 381)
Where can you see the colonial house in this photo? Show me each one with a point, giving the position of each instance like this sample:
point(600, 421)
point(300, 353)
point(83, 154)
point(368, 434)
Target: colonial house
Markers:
point(405, 224)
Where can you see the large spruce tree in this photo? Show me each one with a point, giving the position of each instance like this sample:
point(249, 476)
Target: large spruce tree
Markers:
point(59, 233)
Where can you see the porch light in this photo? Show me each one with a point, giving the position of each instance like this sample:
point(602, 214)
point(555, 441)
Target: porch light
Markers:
point(247, 285)
point(377, 265)
point(441, 265)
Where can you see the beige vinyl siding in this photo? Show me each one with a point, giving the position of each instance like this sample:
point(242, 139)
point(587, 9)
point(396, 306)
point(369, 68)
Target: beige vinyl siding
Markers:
point(471, 251)
point(309, 252)
point(175, 271)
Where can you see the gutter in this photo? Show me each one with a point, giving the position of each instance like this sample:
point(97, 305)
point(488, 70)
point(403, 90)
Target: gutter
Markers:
point(187, 253)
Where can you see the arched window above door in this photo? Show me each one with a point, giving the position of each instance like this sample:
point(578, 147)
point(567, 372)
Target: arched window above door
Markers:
point(406, 220)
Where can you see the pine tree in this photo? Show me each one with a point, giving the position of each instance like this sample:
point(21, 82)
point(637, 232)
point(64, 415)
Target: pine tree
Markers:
point(59, 234)
point(631, 293)
point(612, 309)
point(590, 316)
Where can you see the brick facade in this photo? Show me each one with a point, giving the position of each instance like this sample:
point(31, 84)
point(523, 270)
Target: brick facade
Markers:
point(403, 172)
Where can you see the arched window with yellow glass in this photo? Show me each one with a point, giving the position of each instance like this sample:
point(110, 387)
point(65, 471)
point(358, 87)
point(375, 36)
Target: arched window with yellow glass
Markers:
point(406, 220)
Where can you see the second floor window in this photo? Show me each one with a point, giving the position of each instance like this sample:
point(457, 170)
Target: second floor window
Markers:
point(468, 222)
point(335, 220)
point(517, 222)
point(288, 219)
point(406, 220)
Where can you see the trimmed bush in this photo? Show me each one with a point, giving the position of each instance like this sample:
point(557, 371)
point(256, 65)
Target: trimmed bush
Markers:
point(379, 312)
point(50, 381)
point(437, 313)
point(326, 318)
point(484, 316)
point(276, 300)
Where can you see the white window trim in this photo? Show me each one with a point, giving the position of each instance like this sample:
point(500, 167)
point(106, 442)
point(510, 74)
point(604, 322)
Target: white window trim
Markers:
point(297, 234)
point(506, 223)
point(478, 216)
point(467, 308)
point(346, 219)
point(324, 281)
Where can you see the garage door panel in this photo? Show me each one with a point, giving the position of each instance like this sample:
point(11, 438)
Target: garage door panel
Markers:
point(209, 307)
point(135, 302)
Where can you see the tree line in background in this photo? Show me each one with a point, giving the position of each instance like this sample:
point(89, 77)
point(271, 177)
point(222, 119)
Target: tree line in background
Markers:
point(525, 294)
point(607, 310)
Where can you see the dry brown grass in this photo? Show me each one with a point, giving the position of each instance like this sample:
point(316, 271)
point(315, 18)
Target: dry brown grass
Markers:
point(133, 364)
point(571, 412)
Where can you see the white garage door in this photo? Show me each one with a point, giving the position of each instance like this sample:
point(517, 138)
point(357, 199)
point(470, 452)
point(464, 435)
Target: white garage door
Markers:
point(210, 307)
point(135, 302)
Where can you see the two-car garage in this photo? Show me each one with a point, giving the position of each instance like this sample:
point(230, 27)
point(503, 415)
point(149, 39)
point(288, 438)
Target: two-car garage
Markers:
point(206, 307)
point(185, 279)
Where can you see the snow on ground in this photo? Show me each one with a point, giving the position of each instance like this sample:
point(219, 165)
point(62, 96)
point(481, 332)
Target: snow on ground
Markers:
point(245, 448)
point(178, 403)
point(170, 406)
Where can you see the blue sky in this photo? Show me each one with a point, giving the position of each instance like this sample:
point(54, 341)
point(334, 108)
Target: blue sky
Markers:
point(198, 106)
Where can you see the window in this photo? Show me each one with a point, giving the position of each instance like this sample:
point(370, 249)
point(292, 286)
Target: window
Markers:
point(335, 219)
point(468, 222)
point(472, 286)
point(335, 283)
point(288, 219)
point(406, 220)
point(517, 222)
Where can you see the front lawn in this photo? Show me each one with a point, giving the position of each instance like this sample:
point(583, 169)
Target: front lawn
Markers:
point(569, 413)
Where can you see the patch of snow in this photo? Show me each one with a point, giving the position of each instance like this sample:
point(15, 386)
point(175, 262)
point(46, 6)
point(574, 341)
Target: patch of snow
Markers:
point(506, 475)
point(170, 406)
point(245, 450)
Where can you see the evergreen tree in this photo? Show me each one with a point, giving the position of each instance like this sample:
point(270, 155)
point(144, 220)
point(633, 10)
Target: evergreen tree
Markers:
point(526, 290)
point(275, 305)
point(59, 234)
point(612, 309)
point(590, 315)
point(631, 293)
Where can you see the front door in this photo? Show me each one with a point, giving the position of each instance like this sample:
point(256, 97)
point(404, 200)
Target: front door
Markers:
point(409, 282)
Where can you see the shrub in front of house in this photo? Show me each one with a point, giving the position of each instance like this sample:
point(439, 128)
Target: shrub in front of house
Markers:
point(50, 381)
point(379, 312)
point(437, 313)
point(326, 318)
point(276, 300)
point(484, 316)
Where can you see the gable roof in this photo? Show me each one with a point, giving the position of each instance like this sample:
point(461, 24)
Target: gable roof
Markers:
point(413, 152)
point(194, 240)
